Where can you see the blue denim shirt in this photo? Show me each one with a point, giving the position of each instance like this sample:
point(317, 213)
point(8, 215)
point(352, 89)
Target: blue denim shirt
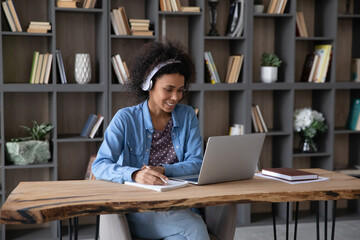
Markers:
point(127, 143)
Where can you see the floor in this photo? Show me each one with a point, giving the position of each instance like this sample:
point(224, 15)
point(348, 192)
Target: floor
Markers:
point(344, 230)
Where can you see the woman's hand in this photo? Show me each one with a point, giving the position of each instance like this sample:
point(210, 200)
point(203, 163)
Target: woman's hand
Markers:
point(150, 175)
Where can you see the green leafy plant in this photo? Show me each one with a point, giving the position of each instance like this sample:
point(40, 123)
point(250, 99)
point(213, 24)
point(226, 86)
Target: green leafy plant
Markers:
point(270, 59)
point(37, 132)
point(258, 2)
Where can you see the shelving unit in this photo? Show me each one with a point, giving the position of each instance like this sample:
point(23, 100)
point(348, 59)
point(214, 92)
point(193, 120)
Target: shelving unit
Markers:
point(67, 106)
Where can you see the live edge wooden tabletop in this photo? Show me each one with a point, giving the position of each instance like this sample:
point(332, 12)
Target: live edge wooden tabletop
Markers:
point(38, 202)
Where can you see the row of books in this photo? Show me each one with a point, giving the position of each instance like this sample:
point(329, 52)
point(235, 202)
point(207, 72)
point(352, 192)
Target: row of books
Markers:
point(301, 29)
point(11, 16)
point(257, 119)
point(41, 67)
point(75, 3)
point(355, 69)
point(175, 6)
point(120, 69)
point(209, 61)
point(92, 125)
point(119, 21)
point(317, 64)
point(140, 27)
point(277, 6)
point(353, 121)
point(235, 23)
point(233, 68)
point(39, 27)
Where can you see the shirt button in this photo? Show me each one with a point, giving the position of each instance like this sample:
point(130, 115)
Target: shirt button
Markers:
point(177, 146)
point(149, 136)
point(130, 149)
point(147, 149)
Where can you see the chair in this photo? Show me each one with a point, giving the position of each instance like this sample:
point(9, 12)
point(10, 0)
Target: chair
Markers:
point(220, 220)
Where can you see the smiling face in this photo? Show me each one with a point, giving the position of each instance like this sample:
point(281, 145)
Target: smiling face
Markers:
point(166, 93)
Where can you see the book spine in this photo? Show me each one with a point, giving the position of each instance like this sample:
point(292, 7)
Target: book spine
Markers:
point(353, 114)
point(96, 126)
point(209, 67)
point(88, 125)
point(34, 67)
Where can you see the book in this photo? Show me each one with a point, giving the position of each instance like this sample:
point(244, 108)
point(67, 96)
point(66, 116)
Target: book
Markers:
point(324, 55)
point(214, 67)
point(90, 122)
point(190, 9)
point(119, 22)
point(233, 68)
point(261, 118)
point(300, 24)
point(38, 69)
point(61, 68)
point(257, 119)
point(34, 66)
point(43, 68)
point(210, 69)
point(121, 67)
point(254, 123)
point(94, 130)
point(124, 20)
point(309, 68)
point(9, 17)
point(235, 24)
point(289, 174)
point(353, 114)
point(142, 33)
point(272, 6)
point(117, 70)
point(66, 4)
point(88, 173)
point(114, 24)
point(14, 15)
point(48, 69)
point(355, 69)
point(171, 185)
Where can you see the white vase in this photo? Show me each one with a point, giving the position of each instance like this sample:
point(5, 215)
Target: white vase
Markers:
point(268, 74)
point(82, 68)
point(258, 8)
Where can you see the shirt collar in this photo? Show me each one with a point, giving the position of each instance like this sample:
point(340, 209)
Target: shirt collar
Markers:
point(147, 117)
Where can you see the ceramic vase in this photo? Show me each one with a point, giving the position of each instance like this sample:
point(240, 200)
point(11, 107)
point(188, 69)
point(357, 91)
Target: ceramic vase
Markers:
point(82, 68)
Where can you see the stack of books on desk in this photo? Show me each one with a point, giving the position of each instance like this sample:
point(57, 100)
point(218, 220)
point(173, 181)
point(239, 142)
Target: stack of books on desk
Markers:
point(140, 27)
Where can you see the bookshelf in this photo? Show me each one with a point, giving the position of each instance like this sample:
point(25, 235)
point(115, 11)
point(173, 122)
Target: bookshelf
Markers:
point(220, 105)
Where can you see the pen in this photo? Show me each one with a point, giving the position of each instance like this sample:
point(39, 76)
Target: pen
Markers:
point(159, 177)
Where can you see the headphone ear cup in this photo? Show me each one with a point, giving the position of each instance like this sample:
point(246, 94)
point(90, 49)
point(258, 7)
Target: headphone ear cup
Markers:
point(146, 86)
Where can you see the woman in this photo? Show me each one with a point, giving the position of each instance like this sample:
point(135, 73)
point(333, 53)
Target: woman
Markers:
point(157, 139)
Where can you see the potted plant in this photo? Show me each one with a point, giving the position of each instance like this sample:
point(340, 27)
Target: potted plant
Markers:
point(269, 67)
point(258, 6)
point(32, 149)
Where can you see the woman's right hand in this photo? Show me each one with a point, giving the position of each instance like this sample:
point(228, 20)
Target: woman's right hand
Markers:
point(150, 175)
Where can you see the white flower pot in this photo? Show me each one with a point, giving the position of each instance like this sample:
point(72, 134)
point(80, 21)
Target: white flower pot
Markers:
point(268, 74)
point(258, 8)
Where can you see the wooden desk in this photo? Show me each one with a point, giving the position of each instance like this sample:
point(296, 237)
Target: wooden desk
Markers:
point(39, 202)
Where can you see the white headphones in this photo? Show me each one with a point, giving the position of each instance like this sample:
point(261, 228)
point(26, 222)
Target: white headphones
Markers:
point(148, 83)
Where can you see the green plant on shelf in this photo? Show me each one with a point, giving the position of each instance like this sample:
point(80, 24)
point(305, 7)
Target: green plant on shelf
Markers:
point(270, 59)
point(37, 132)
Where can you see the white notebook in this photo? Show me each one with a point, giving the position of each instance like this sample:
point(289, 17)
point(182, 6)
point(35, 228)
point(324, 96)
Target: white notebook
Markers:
point(161, 188)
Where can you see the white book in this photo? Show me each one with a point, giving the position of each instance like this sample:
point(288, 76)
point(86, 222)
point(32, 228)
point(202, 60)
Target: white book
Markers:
point(171, 184)
point(96, 126)
point(117, 70)
point(121, 67)
point(261, 118)
point(9, 16)
point(113, 23)
point(48, 69)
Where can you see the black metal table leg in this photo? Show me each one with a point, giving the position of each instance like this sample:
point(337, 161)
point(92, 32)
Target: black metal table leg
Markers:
point(287, 220)
point(70, 228)
point(317, 221)
point(325, 220)
point(333, 221)
point(76, 229)
point(274, 219)
point(97, 227)
point(296, 219)
point(59, 231)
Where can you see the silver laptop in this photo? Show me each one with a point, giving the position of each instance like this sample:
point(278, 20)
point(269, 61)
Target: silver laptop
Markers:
point(228, 158)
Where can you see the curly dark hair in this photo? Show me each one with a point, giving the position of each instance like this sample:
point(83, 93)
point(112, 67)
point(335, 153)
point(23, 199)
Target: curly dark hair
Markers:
point(154, 53)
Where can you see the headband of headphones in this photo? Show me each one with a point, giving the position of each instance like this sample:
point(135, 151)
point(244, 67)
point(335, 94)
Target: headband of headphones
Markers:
point(148, 83)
